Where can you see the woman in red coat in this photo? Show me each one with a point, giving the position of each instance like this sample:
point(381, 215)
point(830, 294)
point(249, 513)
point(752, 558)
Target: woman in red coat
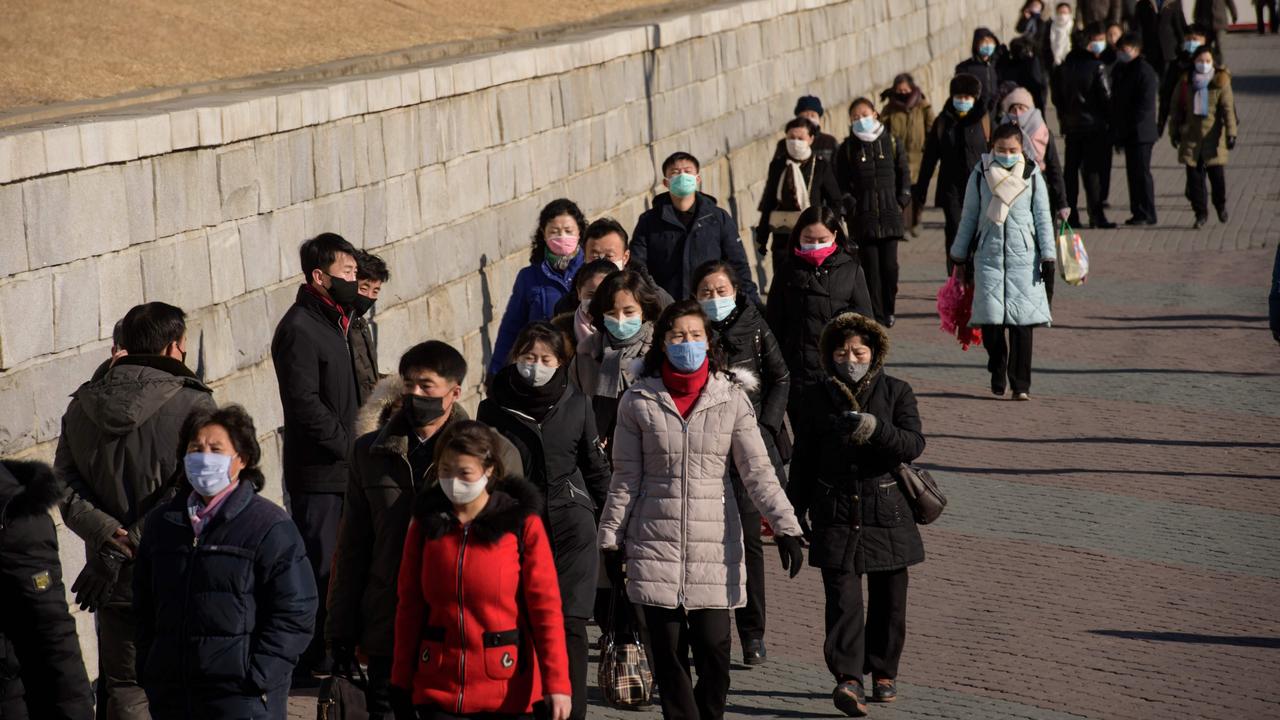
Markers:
point(479, 633)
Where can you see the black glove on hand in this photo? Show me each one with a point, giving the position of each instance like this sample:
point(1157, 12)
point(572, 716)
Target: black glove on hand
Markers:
point(792, 552)
point(98, 578)
point(614, 561)
point(762, 240)
point(1231, 142)
point(344, 658)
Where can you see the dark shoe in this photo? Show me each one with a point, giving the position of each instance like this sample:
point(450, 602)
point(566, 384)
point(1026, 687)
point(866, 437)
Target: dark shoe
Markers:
point(890, 322)
point(850, 699)
point(1073, 220)
point(1106, 205)
point(884, 691)
point(1200, 221)
point(1139, 221)
point(1222, 215)
point(754, 653)
point(997, 386)
point(1103, 224)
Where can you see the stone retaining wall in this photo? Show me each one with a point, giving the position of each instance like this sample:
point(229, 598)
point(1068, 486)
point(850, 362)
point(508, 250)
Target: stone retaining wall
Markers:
point(440, 169)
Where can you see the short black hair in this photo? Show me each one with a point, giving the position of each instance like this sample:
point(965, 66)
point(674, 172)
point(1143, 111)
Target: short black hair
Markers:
point(553, 210)
point(321, 251)
point(861, 101)
point(805, 123)
point(149, 328)
point(634, 283)
point(605, 226)
point(117, 335)
point(1198, 29)
point(1006, 130)
point(676, 157)
point(590, 270)
point(712, 267)
point(819, 215)
point(1093, 30)
point(239, 426)
point(371, 267)
point(1132, 39)
point(438, 357)
point(541, 331)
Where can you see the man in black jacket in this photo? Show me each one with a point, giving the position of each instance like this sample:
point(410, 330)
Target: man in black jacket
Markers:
point(987, 55)
point(318, 393)
point(686, 228)
point(371, 273)
point(1134, 114)
point(1163, 27)
point(606, 239)
point(1082, 95)
point(41, 672)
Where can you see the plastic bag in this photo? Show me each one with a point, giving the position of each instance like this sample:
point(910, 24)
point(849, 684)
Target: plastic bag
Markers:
point(1073, 259)
point(955, 307)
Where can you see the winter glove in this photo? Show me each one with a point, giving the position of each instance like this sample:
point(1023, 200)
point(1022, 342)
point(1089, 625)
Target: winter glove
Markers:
point(98, 578)
point(762, 240)
point(1231, 142)
point(1048, 270)
point(344, 658)
point(614, 567)
point(858, 426)
point(792, 552)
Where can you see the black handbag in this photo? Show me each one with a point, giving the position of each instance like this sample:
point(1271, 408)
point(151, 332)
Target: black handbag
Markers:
point(927, 501)
point(342, 697)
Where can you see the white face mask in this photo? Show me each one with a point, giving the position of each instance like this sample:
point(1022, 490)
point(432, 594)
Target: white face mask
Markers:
point(810, 247)
point(461, 492)
point(536, 374)
point(798, 149)
point(1204, 68)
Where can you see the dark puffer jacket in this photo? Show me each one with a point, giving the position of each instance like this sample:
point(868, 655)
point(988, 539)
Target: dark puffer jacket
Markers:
point(222, 618)
point(876, 175)
point(956, 144)
point(41, 672)
point(861, 520)
point(1082, 93)
point(750, 345)
point(562, 457)
point(984, 70)
point(672, 252)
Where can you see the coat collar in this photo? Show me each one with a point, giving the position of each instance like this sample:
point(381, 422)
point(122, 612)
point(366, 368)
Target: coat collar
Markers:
point(510, 501)
point(718, 391)
point(235, 503)
point(393, 438)
point(703, 208)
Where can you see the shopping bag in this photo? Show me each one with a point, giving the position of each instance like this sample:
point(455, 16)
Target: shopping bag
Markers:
point(955, 307)
point(624, 676)
point(1073, 259)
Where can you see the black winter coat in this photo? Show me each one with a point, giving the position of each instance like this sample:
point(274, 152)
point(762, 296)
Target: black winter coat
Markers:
point(875, 174)
point(861, 520)
point(222, 618)
point(1162, 31)
point(956, 144)
point(749, 344)
point(985, 71)
point(1181, 65)
point(563, 458)
point(318, 394)
point(41, 672)
point(1053, 176)
point(1022, 67)
point(802, 300)
point(823, 190)
point(364, 358)
point(1082, 93)
point(672, 252)
point(824, 146)
point(1133, 110)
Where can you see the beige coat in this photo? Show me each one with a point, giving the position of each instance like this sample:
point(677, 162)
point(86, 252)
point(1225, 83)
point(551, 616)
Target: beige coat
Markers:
point(1203, 138)
point(671, 504)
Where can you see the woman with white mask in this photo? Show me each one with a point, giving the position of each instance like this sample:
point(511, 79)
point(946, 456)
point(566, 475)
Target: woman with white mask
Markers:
point(798, 179)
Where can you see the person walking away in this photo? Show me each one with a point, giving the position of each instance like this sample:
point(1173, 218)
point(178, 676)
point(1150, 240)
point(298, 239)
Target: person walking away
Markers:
point(1082, 96)
point(909, 117)
point(554, 258)
point(795, 182)
point(115, 457)
point(872, 169)
point(1020, 67)
point(1038, 145)
point(1061, 37)
point(478, 624)
point(809, 107)
point(749, 350)
point(534, 406)
point(1184, 63)
point(41, 672)
point(1031, 21)
point(606, 239)
point(987, 54)
point(223, 591)
point(391, 466)
point(577, 323)
point(1163, 27)
point(1203, 127)
point(1258, 7)
point(1215, 16)
point(685, 228)
point(671, 515)
point(317, 382)
point(371, 275)
point(1006, 215)
point(956, 141)
point(860, 425)
point(1134, 113)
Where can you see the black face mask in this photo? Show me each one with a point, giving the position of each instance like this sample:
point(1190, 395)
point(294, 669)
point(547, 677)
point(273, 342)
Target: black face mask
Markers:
point(422, 411)
point(904, 98)
point(362, 305)
point(343, 291)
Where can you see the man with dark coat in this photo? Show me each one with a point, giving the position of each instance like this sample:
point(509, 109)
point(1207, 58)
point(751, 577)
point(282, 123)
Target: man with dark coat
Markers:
point(1215, 16)
point(41, 672)
point(117, 455)
point(1082, 96)
point(1182, 64)
point(1134, 116)
point(686, 228)
point(809, 107)
point(318, 393)
point(1100, 11)
point(371, 274)
point(987, 54)
point(391, 464)
point(1162, 26)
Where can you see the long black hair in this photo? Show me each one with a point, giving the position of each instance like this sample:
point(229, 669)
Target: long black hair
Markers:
point(239, 426)
point(553, 210)
point(657, 353)
point(823, 215)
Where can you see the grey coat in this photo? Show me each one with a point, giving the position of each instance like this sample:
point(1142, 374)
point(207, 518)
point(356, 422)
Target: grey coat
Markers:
point(671, 505)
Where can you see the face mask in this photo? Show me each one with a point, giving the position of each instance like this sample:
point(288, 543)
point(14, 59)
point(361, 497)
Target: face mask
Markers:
point(343, 291)
point(687, 356)
point(362, 305)
point(208, 473)
point(1190, 46)
point(853, 371)
point(1006, 161)
point(563, 245)
point(962, 106)
point(1035, 9)
point(987, 50)
point(461, 492)
point(865, 124)
point(1124, 56)
point(815, 247)
point(719, 308)
point(683, 185)
point(623, 329)
point(536, 374)
point(1063, 19)
point(903, 98)
point(1204, 68)
point(1097, 46)
point(422, 411)
point(798, 149)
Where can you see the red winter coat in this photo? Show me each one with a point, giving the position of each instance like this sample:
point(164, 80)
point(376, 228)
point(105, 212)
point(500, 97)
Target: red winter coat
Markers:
point(462, 643)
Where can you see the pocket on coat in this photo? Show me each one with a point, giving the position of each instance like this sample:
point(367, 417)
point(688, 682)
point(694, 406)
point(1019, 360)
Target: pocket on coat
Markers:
point(430, 654)
point(501, 654)
point(890, 505)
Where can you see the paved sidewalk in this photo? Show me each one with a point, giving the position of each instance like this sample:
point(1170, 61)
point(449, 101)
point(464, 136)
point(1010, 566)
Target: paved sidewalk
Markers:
point(1112, 548)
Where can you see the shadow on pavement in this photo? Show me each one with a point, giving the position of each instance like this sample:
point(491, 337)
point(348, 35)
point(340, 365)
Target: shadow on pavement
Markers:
point(1102, 371)
point(1194, 638)
point(1111, 441)
point(1090, 471)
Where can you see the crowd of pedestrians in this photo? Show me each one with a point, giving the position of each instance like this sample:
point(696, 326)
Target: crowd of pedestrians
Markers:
point(648, 418)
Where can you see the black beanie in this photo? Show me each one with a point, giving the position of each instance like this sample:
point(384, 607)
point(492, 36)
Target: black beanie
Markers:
point(809, 102)
point(966, 84)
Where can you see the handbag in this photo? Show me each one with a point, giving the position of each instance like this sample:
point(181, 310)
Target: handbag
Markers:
point(1073, 259)
point(624, 676)
point(341, 696)
point(926, 500)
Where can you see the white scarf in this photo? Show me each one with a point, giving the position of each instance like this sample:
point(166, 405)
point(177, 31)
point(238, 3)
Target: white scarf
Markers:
point(870, 136)
point(1006, 186)
point(1060, 40)
point(798, 183)
point(1200, 83)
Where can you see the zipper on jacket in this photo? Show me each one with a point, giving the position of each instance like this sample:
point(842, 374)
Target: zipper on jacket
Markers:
point(684, 512)
point(186, 604)
point(462, 625)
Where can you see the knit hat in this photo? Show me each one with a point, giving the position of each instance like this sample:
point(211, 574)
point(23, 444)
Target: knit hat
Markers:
point(966, 84)
point(1017, 96)
point(809, 103)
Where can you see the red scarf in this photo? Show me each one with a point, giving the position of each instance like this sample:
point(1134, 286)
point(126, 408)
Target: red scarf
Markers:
point(816, 257)
point(684, 387)
point(344, 320)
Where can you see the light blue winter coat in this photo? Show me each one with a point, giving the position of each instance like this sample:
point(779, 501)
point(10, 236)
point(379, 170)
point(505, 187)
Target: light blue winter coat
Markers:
point(1008, 289)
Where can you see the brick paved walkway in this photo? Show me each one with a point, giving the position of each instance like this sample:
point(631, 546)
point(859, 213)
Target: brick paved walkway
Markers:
point(1112, 548)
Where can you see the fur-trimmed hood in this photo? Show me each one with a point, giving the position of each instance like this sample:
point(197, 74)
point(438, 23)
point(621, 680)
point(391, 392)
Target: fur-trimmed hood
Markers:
point(511, 500)
point(26, 488)
point(382, 403)
point(743, 377)
point(878, 338)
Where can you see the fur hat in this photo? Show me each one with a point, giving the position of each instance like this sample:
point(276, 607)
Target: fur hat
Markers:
point(966, 84)
point(807, 103)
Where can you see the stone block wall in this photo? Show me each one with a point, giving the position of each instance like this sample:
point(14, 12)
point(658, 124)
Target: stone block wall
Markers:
point(440, 169)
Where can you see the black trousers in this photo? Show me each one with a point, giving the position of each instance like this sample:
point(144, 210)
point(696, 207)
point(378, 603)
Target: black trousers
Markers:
point(672, 634)
point(1217, 175)
point(317, 516)
point(880, 264)
point(1142, 188)
point(377, 695)
point(1267, 5)
point(575, 638)
point(1008, 361)
point(857, 646)
point(750, 619)
point(952, 210)
point(1088, 159)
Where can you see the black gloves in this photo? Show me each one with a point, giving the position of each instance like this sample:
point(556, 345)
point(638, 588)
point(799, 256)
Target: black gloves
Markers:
point(94, 585)
point(792, 552)
point(1048, 272)
point(344, 658)
point(762, 240)
point(1231, 142)
point(614, 561)
point(859, 426)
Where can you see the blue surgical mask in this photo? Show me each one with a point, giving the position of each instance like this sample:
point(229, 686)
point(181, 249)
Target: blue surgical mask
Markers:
point(623, 329)
point(683, 185)
point(963, 106)
point(208, 473)
point(719, 308)
point(865, 124)
point(1006, 161)
point(1190, 46)
point(687, 356)
point(986, 50)
point(1097, 46)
